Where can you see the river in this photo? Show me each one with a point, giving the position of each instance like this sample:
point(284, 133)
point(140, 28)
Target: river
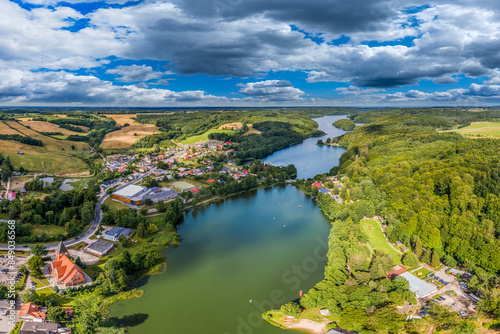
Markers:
point(238, 258)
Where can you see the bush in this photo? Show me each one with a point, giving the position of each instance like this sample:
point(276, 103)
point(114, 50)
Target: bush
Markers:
point(291, 308)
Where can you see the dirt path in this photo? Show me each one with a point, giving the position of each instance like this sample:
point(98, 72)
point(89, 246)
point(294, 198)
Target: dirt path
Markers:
point(430, 330)
point(397, 250)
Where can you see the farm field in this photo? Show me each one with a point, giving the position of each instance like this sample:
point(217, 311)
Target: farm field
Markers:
point(230, 126)
point(7, 130)
point(482, 129)
point(121, 119)
point(204, 136)
point(41, 126)
point(377, 239)
point(125, 138)
point(54, 157)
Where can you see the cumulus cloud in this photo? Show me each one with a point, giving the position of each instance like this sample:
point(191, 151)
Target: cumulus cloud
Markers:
point(272, 90)
point(135, 73)
point(236, 38)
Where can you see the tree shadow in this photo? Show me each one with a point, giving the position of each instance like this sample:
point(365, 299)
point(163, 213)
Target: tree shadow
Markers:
point(130, 320)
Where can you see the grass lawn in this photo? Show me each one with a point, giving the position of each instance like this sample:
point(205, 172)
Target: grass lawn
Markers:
point(114, 205)
point(377, 240)
point(77, 246)
point(47, 294)
point(50, 230)
point(421, 273)
point(204, 137)
point(42, 281)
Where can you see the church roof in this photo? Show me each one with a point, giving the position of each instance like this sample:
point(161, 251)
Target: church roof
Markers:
point(61, 248)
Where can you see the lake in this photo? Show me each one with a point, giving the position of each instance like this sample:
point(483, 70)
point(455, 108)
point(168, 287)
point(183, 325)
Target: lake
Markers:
point(240, 257)
point(309, 158)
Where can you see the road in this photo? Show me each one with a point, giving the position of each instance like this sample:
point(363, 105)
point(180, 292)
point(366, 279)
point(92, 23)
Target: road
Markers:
point(95, 222)
point(97, 216)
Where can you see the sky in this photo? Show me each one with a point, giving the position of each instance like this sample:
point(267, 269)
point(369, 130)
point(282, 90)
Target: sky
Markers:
point(189, 53)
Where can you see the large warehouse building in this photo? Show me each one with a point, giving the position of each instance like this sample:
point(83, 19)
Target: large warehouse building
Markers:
point(136, 195)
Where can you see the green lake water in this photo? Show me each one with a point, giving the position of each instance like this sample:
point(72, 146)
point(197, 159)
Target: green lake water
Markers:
point(259, 246)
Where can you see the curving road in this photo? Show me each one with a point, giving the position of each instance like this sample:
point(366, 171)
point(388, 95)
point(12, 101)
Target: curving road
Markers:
point(93, 227)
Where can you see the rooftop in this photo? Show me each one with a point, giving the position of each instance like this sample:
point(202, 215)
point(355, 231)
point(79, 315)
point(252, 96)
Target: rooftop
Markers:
point(100, 246)
point(420, 287)
point(130, 191)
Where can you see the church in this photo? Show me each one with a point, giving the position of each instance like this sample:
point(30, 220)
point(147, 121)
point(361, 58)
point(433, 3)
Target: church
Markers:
point(64, 270)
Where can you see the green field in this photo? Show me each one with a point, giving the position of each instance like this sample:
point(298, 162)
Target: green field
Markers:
point(377, 240)
point(114, 205)
point(204, 137)
point(50, 230)
point(483, 129)
point(182, 186)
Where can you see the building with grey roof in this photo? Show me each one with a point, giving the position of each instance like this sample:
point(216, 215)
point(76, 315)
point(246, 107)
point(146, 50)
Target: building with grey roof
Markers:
point(115, 233)
point(419, 287)
point(136, 195)
point(100, 248)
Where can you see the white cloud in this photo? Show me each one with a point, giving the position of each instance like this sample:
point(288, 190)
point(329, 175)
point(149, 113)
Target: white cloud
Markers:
point(135, 73)
point(272, 90)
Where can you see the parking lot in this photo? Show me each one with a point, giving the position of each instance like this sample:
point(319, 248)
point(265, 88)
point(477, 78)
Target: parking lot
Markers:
point(5, 271)
point(452, 293)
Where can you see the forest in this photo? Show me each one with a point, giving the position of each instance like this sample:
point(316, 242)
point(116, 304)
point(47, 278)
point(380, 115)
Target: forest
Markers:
point(345, 124)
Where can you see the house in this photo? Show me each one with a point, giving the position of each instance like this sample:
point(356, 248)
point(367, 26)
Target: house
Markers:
point(20, 152)
point(404, 249)
point(194, 190)
point(31, 312)
point(396, 270)
point(398, 243)
point(225, 170)
point(115, 233)
point(316, 184)
point(209, 181)
point(64, 270)
point(456, 272)
point(100, 248)
point(11, 195)
point(324, 190)
point(42, 328)
point(22, 191)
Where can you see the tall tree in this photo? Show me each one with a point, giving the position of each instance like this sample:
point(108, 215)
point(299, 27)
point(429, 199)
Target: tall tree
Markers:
point(39, 250)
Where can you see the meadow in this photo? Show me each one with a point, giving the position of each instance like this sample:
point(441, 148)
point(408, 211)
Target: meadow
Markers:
point(56, 156)
point(377, 239)
point(204, 136)
point(481, 129)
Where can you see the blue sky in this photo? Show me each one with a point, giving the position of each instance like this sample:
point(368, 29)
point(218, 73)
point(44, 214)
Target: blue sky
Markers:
point(249, 53)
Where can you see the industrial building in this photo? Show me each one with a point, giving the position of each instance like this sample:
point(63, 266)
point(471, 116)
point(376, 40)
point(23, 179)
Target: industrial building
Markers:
point(136, 195)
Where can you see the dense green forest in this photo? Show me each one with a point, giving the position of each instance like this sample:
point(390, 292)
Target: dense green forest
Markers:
point(345, 124)
point(440, 188)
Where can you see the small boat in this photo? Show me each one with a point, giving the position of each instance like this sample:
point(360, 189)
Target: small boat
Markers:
point(299, 206)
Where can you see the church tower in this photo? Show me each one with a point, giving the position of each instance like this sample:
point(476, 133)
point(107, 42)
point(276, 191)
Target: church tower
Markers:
point(61, 250)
